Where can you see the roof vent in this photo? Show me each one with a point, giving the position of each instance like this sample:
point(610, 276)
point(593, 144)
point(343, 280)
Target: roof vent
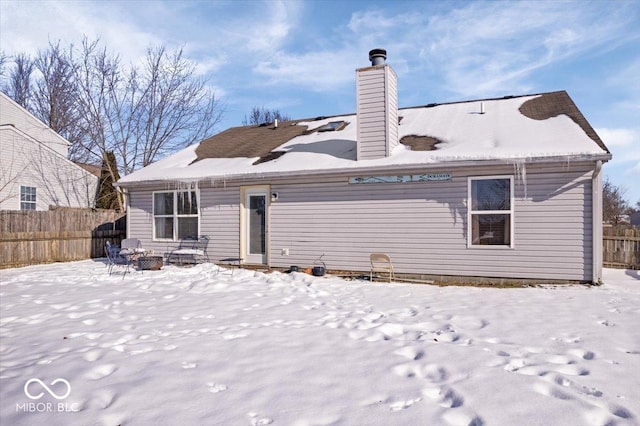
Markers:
point(377, 56)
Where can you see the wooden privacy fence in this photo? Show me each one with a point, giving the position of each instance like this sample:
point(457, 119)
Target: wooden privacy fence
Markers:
point(621, 247)
point(59, 235)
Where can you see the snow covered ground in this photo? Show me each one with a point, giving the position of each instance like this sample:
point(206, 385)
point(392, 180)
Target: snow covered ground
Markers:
point(196, 346)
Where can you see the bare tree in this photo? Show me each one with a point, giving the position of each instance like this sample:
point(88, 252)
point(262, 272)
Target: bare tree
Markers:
point(19, 87)
point(260, 115)
point(614, 206)
point(3, 60)
point(54, 97)
point(142, 114)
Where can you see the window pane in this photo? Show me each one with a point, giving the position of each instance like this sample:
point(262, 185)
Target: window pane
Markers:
point(28, 193)
point(491, 229)
point(27, 206)
point(187, 227)
point(187, 203)
point(164, 227)
point(490, 194)
point(257, 224)
point(27, 198)
point(163, 203)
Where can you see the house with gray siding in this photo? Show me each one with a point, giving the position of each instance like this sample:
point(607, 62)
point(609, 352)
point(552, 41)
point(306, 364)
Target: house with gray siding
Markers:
point(35, 172)
point(504, 188)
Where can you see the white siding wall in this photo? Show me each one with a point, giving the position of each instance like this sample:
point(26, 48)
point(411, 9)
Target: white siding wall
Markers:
point(392, 109)
point(13, 114)
point(422, 226)
point(57, 180)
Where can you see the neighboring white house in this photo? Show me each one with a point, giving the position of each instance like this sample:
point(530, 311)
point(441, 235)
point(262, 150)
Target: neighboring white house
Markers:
point(35, 172)
point(506, 187)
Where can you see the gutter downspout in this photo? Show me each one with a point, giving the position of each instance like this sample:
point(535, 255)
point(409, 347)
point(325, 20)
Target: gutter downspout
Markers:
point(596, 219)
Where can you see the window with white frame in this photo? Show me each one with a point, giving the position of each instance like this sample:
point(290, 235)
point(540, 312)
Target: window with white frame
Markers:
point(27, 198)
point(175, 215)
point(491, 211)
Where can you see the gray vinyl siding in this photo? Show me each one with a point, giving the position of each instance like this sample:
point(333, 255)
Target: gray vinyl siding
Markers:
point(422, 225)
point(377, 106)
point(219, 219)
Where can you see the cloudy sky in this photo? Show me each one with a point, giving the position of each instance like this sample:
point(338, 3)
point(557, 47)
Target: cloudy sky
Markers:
point(300, 56)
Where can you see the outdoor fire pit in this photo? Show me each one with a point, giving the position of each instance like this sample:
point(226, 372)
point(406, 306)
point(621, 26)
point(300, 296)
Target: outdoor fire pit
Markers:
point(152, 263)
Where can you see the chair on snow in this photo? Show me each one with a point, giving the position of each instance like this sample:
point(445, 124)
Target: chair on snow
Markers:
point(192, 249)
point(115, 259)
point(131, 247)
point(380, 263)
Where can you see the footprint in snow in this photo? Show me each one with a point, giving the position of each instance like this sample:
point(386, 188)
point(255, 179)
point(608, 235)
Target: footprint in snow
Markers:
point(443, 396)
point(233, 336)
point(101, 371)
point(103, 398)
point(257, 420)
point(93, 355)
point(410, 352)
point(582, 353)
point(403, 404)
point(216, 387)
point(188, 365)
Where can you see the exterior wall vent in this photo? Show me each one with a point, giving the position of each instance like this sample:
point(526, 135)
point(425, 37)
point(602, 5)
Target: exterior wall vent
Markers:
point(377, 108)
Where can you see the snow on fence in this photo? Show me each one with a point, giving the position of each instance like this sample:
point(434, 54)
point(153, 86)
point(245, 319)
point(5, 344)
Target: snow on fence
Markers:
point(57, 235)
point(621, 247)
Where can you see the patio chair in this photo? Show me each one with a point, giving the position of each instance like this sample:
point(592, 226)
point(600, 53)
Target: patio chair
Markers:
point(190, 250)
point(380, 263)
point(115, 259)
point(131, 247)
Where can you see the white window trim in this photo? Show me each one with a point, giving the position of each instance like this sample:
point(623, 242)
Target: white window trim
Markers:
point(34, 202)
point(471, 212)
point(175, 214)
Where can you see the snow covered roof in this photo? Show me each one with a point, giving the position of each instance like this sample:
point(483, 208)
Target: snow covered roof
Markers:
point(512, 129)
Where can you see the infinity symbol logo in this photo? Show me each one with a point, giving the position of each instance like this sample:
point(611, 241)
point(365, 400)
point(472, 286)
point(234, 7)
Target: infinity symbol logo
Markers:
point(52, 393)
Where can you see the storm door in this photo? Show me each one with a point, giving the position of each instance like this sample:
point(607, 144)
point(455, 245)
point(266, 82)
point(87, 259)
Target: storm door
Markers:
point(255, 232)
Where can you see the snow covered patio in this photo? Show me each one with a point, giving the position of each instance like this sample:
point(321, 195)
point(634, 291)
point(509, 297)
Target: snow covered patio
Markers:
point(195, 346)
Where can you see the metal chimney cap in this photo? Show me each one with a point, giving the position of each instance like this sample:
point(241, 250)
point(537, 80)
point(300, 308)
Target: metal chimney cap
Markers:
point(377, 56)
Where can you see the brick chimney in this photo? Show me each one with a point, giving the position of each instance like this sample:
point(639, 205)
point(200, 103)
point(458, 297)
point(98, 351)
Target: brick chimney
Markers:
point(377, 108)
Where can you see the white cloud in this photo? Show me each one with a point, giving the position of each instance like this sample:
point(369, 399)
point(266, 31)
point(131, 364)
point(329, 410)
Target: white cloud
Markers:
point(618, 137)
point(624, 144)
point(485, 48)
point(29, 26)
point(323, 70)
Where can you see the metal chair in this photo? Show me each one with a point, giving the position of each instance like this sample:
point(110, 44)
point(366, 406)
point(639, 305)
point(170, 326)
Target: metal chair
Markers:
point(190, 250)
point(131, 247)
point(380, 263)
point(115, 259)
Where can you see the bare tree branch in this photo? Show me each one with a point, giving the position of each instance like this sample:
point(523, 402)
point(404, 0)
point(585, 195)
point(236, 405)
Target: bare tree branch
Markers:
point(260, 115)
point(614, 206)
point(20, 80)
